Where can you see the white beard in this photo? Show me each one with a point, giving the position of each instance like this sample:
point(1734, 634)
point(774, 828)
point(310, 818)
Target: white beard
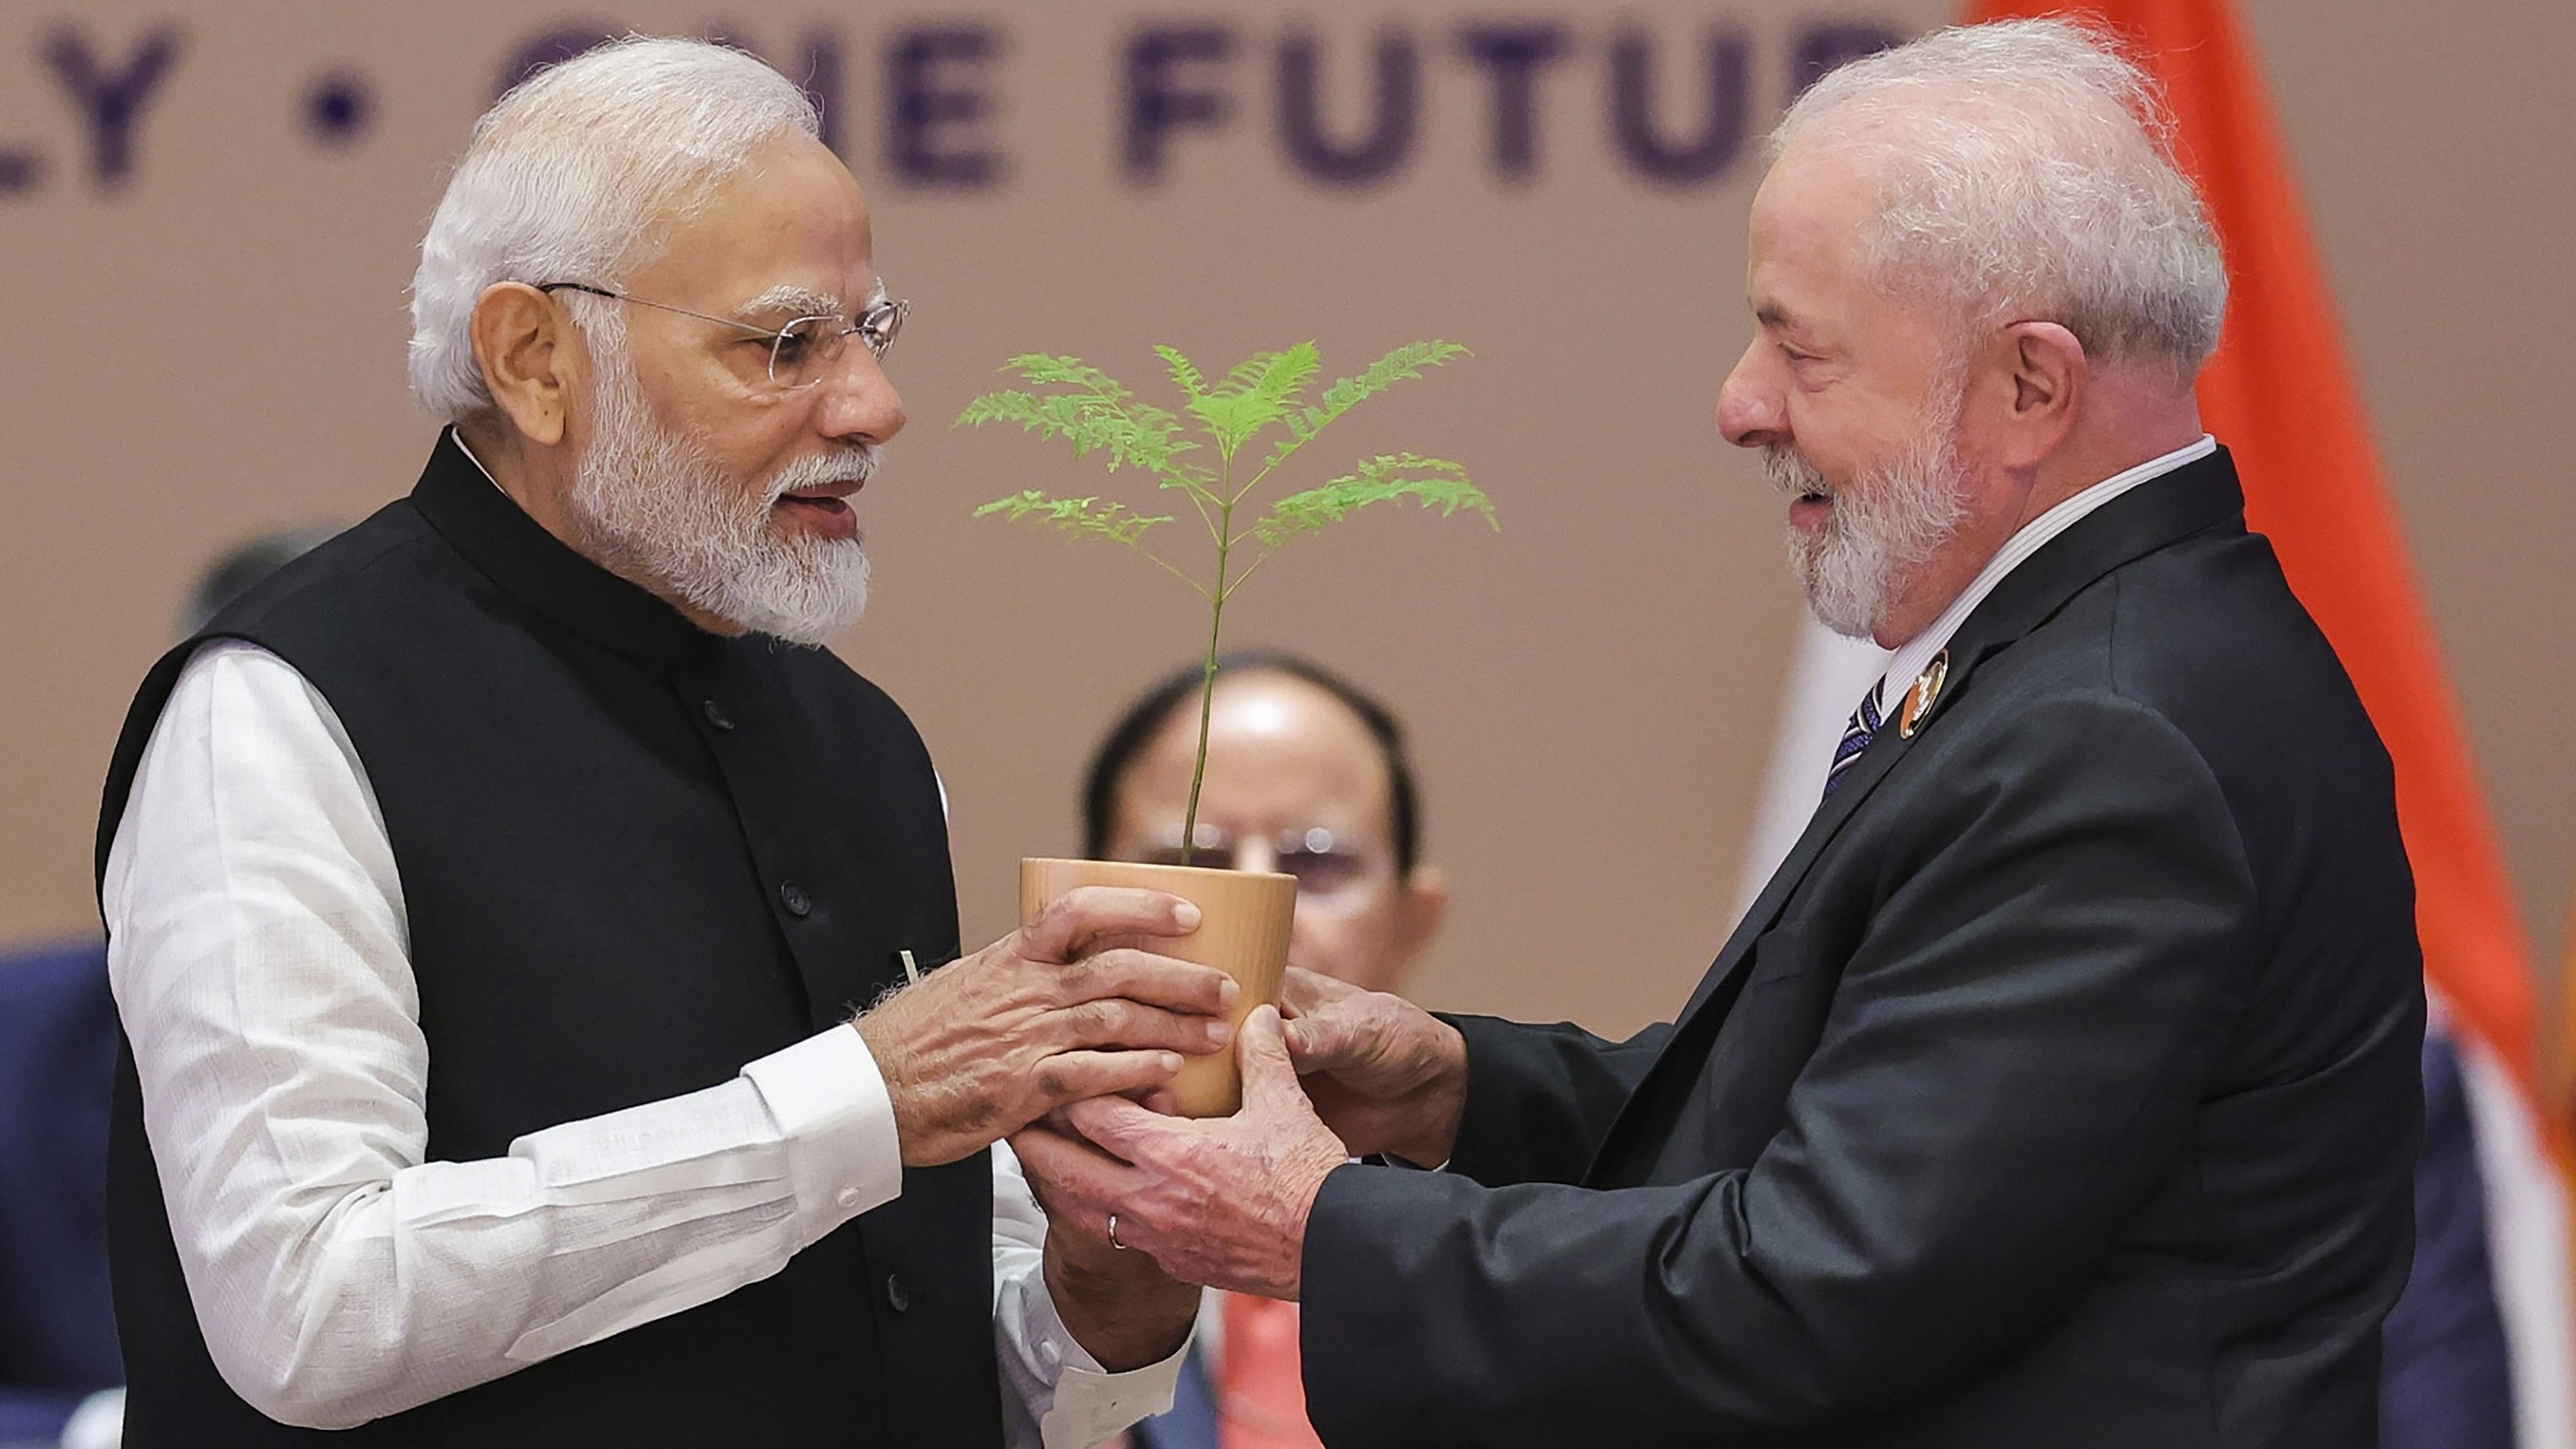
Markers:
point(651, 504)
point(1885, 524)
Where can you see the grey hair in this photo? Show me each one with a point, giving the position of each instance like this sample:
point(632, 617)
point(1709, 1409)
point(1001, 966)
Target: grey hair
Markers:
point(2027, 169)
point(573, 176)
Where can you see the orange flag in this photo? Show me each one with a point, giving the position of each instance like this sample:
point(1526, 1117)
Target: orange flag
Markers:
point(2281, 396)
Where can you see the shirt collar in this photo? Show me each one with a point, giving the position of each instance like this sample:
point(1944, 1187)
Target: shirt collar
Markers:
point(1915, 655)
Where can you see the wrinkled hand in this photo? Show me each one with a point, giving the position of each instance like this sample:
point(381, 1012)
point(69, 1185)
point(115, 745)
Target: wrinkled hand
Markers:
point(1045, 1016)
point(1218, 1200)
point(1383, 1073)
point(1119, 1305)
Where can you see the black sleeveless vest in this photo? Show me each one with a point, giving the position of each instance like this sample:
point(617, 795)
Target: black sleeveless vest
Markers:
point(634, 856)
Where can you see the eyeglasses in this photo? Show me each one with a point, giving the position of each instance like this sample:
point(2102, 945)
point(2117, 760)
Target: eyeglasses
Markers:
point(1334, 872)
point(803, 352)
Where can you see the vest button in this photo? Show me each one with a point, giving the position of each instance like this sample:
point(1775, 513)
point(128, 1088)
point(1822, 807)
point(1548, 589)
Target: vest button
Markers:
point(898, 1293)
point(717, 717)
point(792, 896)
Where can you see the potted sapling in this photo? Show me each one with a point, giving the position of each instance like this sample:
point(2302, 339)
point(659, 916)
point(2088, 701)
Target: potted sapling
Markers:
point(1218, 462)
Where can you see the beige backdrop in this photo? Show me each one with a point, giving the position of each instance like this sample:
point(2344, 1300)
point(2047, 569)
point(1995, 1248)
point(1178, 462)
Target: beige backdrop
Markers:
point(217, 347)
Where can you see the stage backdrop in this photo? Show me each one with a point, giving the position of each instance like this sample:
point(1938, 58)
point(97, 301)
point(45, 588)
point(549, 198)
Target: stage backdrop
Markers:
point(208, 216)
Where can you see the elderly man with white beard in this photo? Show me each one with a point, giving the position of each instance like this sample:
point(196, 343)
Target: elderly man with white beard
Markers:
point(535, 961)
point(2060, 1089)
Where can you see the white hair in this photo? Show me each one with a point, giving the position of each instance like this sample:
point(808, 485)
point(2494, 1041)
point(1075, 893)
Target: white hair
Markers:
point(573, 177)
point(2026, 169)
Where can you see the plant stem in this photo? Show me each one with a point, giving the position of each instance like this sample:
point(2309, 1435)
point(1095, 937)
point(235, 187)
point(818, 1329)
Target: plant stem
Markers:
point(1207, 679)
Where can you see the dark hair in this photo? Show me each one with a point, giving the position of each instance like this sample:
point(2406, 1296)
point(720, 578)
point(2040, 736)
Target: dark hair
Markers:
point(1126, 740)
point(238, 568)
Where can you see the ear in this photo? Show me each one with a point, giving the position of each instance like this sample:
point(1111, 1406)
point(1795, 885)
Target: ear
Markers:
point(2049, 372)
point(531, 356)
point(1422, 903)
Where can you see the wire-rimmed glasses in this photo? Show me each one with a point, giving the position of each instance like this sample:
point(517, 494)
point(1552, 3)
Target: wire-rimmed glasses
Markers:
point(801, 353)
point(1335, 871)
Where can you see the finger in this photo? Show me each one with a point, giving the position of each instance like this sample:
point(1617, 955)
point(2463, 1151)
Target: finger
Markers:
point(1120, 1127)
point(1073, 921)
point(1155, 980)
point(1068, 1173)
point(1267, 1071)
point(1072, 1076)
point(1303, 992)
point(1318, 1043)
point(1118, 1022)
point(1036, 1141)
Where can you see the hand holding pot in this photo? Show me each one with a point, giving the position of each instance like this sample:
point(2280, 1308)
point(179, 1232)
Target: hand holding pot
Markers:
point(1118, 1304)
point(1244, 933)
point(1384, 1074)
point(1221, 1200)
point(1043, 1017)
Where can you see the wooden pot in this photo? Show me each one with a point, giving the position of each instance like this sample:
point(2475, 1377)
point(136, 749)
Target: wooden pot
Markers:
point(1243, 931)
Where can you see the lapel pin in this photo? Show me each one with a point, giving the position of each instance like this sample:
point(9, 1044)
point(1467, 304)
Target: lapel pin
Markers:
point(1919, 697)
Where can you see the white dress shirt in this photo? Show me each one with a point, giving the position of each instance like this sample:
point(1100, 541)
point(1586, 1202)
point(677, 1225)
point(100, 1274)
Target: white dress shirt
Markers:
point(1915, 655)
point(259, 953)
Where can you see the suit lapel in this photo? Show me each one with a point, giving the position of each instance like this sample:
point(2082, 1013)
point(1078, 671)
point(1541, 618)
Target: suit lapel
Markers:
point(1836, 809)
point(2154, 515)
point(1716, 993)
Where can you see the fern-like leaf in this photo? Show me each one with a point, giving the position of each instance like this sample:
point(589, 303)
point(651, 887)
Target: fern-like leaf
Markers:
point(1078, 517)
point(1288, 373)
point(1233, 418)
point(1096, 413)
point(1248, 372)
point(1404, 364)
point(1262, 391)
point(1430, 482)
point(1185, 374)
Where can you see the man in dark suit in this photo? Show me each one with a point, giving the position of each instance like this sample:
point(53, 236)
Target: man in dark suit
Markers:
point(2060, 1091)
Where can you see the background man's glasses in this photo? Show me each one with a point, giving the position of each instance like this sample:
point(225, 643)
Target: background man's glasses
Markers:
point(1331, 870)
point(803, 352)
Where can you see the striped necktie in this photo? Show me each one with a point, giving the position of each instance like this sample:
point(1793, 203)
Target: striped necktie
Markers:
point(1856, 736)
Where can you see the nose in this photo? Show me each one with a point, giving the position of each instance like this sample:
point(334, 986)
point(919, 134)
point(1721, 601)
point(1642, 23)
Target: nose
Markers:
point(1750, 410)
point(859, 403)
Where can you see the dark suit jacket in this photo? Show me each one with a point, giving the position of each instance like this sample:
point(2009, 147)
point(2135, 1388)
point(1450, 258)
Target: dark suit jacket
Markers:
point(2059, 1092)
point(57, 1059)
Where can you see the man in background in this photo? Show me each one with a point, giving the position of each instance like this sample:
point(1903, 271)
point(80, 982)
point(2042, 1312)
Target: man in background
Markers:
point(1309, 775)
point(57, 1057)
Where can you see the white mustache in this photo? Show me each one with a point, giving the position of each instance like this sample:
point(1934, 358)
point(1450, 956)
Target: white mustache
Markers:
point(1793, 475)
point(855, 464)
